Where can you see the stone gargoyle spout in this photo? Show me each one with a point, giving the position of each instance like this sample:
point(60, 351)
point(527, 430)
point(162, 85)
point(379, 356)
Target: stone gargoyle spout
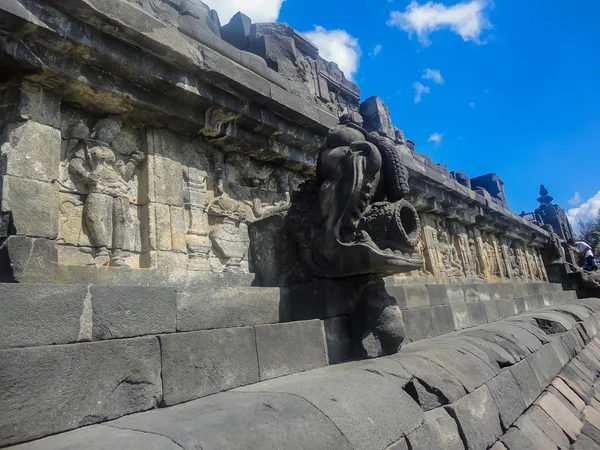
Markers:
point(352, 218)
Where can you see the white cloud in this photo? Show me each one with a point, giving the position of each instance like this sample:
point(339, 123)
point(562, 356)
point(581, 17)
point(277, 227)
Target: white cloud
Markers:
point(467, 19)
point(433, 74)
point(376, 51)
point(257, 10)
point(337, 46)
point(472, 105)
point(419, 91)
point(436, 137)
point(576, 200)
point(586, 211)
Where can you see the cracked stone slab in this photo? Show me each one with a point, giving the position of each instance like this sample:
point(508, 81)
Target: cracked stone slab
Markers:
point(69, 386)
point(438, 432)
point(478, 418)
point(102, 437)
point(527, 381)
point(241, 420)
point(432, 375)
point(369, 410)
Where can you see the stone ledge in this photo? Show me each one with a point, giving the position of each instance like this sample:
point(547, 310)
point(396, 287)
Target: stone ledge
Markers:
point(382, 402)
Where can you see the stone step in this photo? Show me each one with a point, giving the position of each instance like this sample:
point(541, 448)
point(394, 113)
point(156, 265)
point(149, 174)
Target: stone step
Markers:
point(462, 390)
point(48, 389)
point(35, 314)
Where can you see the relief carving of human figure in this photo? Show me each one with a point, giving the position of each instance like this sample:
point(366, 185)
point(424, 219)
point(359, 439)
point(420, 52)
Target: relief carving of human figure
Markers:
point(450, 258)
point(106, 176)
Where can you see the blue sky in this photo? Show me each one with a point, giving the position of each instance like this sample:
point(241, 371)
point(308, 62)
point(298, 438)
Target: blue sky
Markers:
point(513, 86)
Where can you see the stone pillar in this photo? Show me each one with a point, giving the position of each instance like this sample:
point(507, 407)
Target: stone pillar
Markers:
point(30, 148)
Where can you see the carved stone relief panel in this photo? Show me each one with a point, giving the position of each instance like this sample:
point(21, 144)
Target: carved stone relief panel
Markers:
point(103, 217)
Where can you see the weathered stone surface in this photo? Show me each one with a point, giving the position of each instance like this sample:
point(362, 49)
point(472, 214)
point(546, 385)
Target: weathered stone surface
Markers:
point(33, 315)
point(376, 116)
point(99, 437)
point(201, 363)
point(33, 204)
point(292, 347)
point(527, 381)
point(462, 317)
point(410, 296)
point(570, 424)
point(442, 320)
point(506, 307)
point(591, 431)
point(545, 364)
point(209, 306)
point(339, 340)
point(418, 324)
point(68, 386)
point(399, 445)
point(368, 409)
point(565, 390)
point(477, 312)
point(508, 397)
point(498, 446)
point(432, 375)
point(322, 299)
point(548, 426)
point(478, 418)
point(440, 294)
point(528, 426)
point(491, 311)
point(241, 420)
point(592, 416)
point(438, 432)
point(31, 150)
point(127, 311)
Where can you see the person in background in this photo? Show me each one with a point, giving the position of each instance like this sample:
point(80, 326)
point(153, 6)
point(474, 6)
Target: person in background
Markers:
point(586, 255)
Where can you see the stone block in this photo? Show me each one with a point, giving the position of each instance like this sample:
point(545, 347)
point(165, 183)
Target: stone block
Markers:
point(162, 227)
point(432, 374)
point(469, 369)
point(548, 426)
point(545, 364)
point(442, 320)
point(339, 339)
point(212, 306)
point(369, 409)
point(201, 363)
point(442, 294)
point(127, 311)
point(477, 312)
point(527, 381)
point(491, 311)
point(506, 307)
point(99, 437)
point(39, 104)
point(69, 386)
point(32, 315)
point(31, 150)
point(410, 296)
point(418, 324)
point(438, 432)
point(376, 116)
point(292, 347)
point(240, 421)
point(178, 230)
point(520, 305)
point(508, 397)
point(506, 290)
point(33, 204)
point(471, 292)
point(28, 259)
point(461, 315)
point(570, 424)
point(167, 186)
point(478, 418)
point(322, 299)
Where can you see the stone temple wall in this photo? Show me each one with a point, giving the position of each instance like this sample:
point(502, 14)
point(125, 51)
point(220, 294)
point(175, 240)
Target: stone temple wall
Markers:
point(141, 138)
